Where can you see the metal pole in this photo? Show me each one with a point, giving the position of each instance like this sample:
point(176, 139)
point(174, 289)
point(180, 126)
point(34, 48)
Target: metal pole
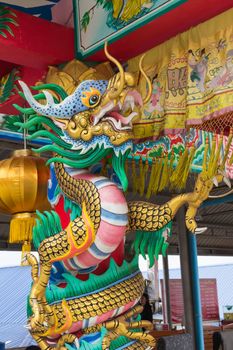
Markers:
point(185, 274)
point(199, 334)
point(167, 291)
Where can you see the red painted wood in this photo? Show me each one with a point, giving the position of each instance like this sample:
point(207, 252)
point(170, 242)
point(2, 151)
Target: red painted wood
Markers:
point(37, 43)
point(176, 21)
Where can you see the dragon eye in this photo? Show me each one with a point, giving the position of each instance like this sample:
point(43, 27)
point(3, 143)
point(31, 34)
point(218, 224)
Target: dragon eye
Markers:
point(91, 98)
point(94, 99)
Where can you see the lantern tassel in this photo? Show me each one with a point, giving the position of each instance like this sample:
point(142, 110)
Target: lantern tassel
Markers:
point(21, 227)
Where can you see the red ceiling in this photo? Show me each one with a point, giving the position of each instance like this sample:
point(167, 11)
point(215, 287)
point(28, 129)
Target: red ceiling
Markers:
point(38, 43)
point(176, 21)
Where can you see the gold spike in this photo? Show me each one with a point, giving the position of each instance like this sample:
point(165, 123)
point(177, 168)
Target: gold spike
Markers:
point(217, 156)
point(187, 167)
point(212, 157)
point(171, 162)
point(226, 152)
point(176, 176)
point(204, 164)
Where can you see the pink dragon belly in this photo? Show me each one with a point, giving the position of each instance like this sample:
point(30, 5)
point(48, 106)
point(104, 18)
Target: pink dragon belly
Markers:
point(102, 318)
point(112, 228)
point(92, 321)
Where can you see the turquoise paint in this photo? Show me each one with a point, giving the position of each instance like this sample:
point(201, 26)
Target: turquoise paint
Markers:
point(197, 311)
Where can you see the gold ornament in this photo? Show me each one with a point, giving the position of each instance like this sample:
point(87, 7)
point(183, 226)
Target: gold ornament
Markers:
point(23, 190)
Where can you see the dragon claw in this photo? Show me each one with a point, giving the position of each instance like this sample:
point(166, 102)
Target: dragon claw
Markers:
point(76, 342)
point(227, 181)
point(215, 181)
point(27, 326)
point(200, 230)
point(24, 259)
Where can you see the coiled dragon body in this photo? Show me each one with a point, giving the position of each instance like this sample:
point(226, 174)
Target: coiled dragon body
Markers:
point(97, 310)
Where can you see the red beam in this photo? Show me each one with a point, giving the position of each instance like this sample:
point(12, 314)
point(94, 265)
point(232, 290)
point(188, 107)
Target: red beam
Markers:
point(37, 43)
point(176, 21)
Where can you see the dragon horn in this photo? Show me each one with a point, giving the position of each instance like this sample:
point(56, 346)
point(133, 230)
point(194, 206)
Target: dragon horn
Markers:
point(115, 92)
point(50, 109)
point(148, 96)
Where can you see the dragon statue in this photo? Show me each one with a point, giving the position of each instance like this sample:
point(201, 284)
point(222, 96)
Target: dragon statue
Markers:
point(77, 302)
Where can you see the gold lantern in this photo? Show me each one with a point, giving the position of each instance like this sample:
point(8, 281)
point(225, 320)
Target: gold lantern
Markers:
point(23, 190)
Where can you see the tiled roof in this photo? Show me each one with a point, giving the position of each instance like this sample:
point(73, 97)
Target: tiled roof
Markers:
point(15, 284)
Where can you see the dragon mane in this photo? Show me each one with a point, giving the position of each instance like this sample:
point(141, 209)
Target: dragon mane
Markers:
point(61, 83)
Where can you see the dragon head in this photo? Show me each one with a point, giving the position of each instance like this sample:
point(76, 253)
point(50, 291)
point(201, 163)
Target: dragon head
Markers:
point(97, 112)
point(93, 121)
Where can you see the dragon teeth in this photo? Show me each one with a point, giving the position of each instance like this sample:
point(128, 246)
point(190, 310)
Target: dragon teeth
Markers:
point(132, 104)
point(120, 104)
point(102, 113)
